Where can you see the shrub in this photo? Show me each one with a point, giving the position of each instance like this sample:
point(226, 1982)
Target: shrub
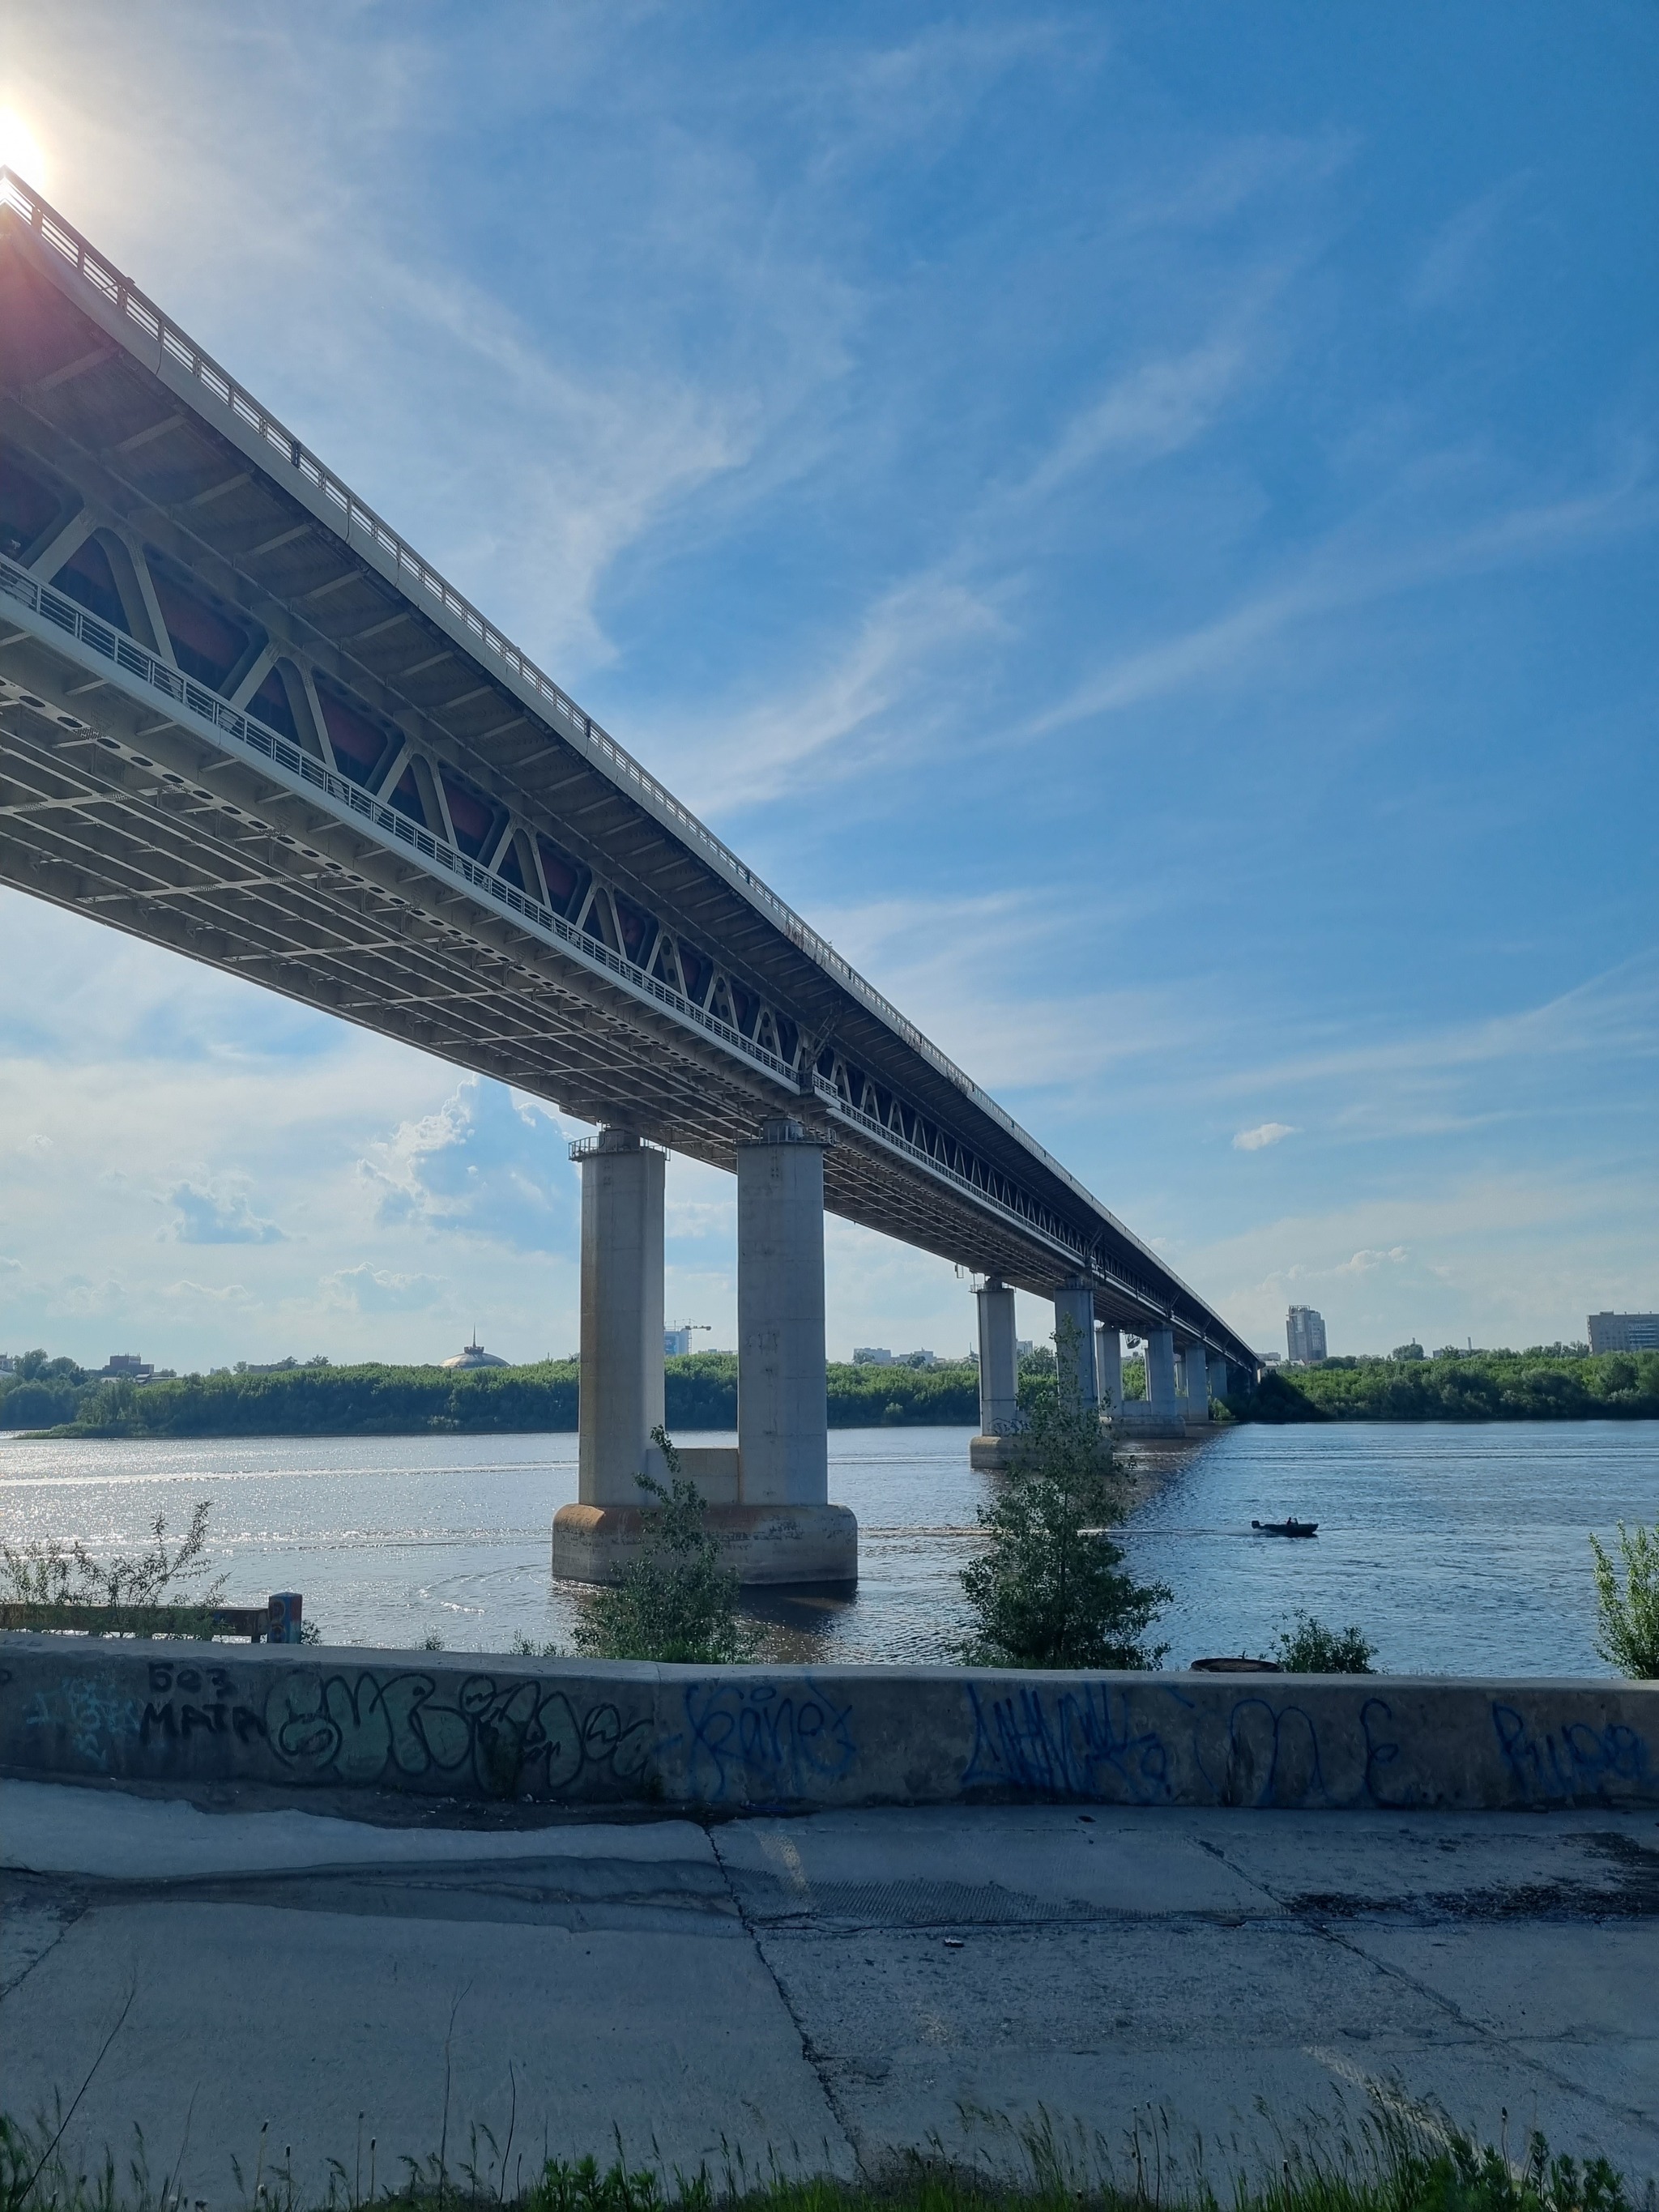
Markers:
point(118, 1596)
point(1306, 1646)
point(1050, 1589)
point(1630, 1616)
point(676, 1603)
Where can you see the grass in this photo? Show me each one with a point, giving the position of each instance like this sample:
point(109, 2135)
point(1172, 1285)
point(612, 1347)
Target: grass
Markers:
point(1401, 2158)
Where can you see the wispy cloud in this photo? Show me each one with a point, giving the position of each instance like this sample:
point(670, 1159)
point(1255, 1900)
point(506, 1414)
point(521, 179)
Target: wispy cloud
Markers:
point(1351, 570)
point(1615, 1012)
point(370, 1290)
point(841, 719)
point(1265, 1133)
point(1444, 269)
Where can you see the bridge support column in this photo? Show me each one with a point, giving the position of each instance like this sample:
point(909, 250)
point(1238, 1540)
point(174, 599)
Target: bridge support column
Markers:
point(999, 1377)
point(1160, 1371)
point(1074, 1345)
point(786, 1529)
point(1162, 1414)
point(1108, 1369)
point(622, 1353)
point(1195, 1381)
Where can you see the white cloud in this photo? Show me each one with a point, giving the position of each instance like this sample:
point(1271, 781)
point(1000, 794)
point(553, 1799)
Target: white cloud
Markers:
point(487, 1164)
point(371, 1290)
point(1265, 1134)
point(1367, 1262)
point(208, 1217)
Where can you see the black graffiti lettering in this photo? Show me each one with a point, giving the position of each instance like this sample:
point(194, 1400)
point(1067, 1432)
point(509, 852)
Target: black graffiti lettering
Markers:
point(158, 1720)
point(517, 1736)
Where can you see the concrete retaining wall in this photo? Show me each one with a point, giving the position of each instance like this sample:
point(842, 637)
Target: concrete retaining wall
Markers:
point(574, 1732)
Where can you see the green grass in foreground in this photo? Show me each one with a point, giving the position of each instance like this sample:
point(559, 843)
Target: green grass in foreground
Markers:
point(1402, 2159)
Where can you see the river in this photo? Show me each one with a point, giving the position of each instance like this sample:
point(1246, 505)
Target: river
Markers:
point(1458, 1550)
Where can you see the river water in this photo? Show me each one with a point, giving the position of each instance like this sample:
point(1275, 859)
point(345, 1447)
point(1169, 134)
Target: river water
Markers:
point(1457, 1550)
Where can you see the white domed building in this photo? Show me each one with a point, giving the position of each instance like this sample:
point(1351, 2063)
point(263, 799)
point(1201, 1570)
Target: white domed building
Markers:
point(475, 1356)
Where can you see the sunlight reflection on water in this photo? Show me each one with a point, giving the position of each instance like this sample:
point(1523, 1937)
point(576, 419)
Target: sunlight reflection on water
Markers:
point(1459, 1550)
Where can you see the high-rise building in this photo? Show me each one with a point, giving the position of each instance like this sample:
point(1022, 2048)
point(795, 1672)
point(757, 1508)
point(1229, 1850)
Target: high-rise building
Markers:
point(1612, 1331)
point(1304, 1335)
point(675, 1343)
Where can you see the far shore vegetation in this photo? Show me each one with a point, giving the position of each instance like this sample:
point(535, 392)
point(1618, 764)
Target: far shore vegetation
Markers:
point(315, 1398)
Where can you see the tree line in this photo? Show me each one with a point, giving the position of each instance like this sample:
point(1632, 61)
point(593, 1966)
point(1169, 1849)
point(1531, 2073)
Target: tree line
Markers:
point(1545, 1384)
point(374, 1399)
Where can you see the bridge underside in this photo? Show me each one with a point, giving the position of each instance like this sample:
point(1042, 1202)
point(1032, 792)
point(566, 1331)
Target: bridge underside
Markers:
point(134, 822)
point(239, 717)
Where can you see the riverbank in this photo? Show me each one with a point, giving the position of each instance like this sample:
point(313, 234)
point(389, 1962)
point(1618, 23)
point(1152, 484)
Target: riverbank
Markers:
point(319, 1400)
point(1541, 1385)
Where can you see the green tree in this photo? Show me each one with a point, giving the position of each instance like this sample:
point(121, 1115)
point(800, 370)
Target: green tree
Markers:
point(675, 1604)
point(1628, 1638)
point(1306, 1646)
point(1050, 1589)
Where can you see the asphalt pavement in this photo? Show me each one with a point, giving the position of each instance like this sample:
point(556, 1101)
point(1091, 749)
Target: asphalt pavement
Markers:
point(824, 1992)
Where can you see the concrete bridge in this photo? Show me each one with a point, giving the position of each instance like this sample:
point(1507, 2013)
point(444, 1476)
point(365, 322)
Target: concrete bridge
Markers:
point(241, 717)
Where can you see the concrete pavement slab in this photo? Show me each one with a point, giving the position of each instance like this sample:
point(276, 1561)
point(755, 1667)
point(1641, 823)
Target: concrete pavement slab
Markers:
point(242, 2015)
point(998, 1862)
point(848, 1984)
point(50, 1829)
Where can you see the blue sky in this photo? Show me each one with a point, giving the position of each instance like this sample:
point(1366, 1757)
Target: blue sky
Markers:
point(1140, 521)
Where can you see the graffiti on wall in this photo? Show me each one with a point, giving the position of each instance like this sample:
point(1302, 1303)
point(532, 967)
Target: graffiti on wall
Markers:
point(507, 1736)
point(763, 1742)
point(1578, 1759)
point(1160, 1746)
point(1079, 1742)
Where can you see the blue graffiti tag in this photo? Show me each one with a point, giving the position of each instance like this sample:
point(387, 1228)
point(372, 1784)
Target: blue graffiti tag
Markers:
point(764, 1746)
point(93, 1715)
point(1578, 1760)
point(1078, 1742)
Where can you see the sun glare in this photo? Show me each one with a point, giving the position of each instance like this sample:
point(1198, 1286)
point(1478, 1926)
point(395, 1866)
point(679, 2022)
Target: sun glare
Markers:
point(19, 149)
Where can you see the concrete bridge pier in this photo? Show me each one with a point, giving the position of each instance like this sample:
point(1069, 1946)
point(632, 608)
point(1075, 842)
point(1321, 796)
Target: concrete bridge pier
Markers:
point(621, 1352)
point(783, 1529)
point(1108, 1369)
point(1074, 1345)
point(1161, 1412)
point(999, 1377)
point(1195, 1385)
point(768, 1500)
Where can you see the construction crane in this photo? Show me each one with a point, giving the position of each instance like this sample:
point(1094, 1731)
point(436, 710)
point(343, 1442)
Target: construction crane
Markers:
point(677, 1339)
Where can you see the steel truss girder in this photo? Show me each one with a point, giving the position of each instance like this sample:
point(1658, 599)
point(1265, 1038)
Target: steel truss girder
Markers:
point(194, 826)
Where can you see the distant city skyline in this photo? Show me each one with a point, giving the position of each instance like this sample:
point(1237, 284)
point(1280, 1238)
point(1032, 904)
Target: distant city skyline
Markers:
point(1142, 527)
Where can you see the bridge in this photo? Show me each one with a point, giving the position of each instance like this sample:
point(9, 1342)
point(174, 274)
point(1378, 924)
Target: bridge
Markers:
point(241, 717)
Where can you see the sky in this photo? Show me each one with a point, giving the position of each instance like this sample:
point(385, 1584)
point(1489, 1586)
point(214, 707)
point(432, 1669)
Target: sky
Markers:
point(1138, 520)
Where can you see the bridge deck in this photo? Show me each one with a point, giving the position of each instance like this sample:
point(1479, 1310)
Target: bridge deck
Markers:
point(240, 716)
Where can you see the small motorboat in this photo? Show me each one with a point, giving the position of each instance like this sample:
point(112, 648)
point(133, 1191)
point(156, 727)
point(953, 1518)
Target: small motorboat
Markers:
point(1291, 1527)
